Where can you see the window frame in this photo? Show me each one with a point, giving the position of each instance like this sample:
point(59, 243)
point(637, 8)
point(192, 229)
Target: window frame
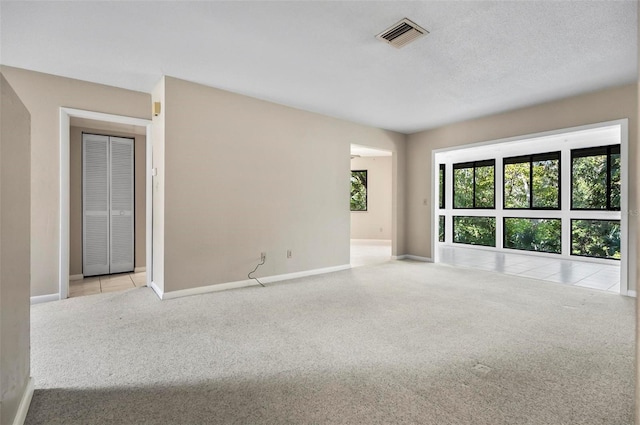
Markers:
point(366, 191)
point(521, 159)
point(442, 186)
point(607, 150)
point(495, 230)
point(473, 165)
point(504, 233)
point(571, 254)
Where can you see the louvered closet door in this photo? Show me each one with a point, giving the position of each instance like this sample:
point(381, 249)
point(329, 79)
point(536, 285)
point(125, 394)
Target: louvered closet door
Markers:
point(95, 204)
point(122, 198)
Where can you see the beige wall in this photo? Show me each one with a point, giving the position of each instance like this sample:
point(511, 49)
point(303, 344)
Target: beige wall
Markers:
point(14, 251)
point(43, 95)
point(245, 176)
point(75, 196)
point(375, 223)
point(605, 105)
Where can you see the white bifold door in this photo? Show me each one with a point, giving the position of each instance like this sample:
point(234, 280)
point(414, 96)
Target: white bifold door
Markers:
point(107, 205)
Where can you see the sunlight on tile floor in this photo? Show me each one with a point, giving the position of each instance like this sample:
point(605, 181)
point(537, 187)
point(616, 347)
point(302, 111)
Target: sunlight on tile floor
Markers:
point(106, 283)
point(605, 277)
point(369, 251)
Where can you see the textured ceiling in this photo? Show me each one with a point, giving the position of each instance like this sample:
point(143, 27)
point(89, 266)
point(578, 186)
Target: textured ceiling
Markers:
point(480, 57)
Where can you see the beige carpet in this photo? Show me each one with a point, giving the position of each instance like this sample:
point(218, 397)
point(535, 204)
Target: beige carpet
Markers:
point(396, 343)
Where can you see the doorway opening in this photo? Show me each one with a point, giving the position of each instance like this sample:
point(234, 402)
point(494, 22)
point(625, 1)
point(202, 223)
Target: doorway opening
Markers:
point(72, 124)
point(371, 204)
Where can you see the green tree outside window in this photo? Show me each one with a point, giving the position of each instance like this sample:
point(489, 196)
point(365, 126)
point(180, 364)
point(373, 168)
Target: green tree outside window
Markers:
point(532, 234)
point(589, 188)
point(546, 183)
point(359, 190)
point(474, 230)
point(474, 185)
point(517, 187)
point(484, 185)
point(532, 181)
point(595, 178)
point(596, 238)
point(463, 187)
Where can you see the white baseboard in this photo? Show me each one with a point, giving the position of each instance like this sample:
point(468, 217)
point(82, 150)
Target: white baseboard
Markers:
point(76, 277)
point(371, 240)
point(398, 257)
point(305, 273)
point(157, 290)
point(25, 402)
point(245, 283)
point(631, 294)
point(209, 288)
point(45, 298)
point(139, 269)
point(418, 258)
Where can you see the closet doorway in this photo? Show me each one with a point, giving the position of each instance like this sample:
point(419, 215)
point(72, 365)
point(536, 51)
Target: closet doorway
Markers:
point(107, 204)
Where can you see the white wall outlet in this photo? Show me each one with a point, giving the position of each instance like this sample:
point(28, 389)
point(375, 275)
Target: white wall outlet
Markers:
point(263, 257)
point(288, 253)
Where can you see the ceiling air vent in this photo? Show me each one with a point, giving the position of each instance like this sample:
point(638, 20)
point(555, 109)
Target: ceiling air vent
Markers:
point(402, 33)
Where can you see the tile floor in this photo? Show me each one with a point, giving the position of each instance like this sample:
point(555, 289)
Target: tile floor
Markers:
point(369, 251)
point(570, 272)
point(106, 283)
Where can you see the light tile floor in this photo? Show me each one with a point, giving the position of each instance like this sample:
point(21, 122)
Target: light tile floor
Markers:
point(369, 251)
point(106, 283)
point(570, 272)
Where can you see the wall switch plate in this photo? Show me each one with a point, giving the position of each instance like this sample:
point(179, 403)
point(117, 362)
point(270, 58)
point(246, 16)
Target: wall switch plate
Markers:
point(263, 256)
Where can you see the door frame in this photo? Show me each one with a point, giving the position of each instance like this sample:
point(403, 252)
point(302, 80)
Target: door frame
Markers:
point(64, 208)
point(395, 213)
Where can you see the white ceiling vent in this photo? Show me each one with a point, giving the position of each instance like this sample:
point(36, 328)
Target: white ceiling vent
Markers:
point(402, 33)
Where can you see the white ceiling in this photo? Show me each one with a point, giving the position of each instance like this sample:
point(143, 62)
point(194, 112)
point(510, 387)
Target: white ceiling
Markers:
point(481, 57)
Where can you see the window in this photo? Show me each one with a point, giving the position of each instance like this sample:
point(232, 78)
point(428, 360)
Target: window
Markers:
point(595, 178)
point(462, 186)
point(532, 181)
point(545, 188)
point(359, 190)
point(474, 230)
point(441, 186)
point(596, 238)
point(474, 184)
point(533, 234)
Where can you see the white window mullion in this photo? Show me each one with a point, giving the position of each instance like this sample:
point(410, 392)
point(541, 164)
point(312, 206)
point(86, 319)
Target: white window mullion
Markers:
point(498, 201)
point(565, 194)
point(448, 203)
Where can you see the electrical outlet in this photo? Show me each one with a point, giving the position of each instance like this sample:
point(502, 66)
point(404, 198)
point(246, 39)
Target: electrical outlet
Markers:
point(263, 257)
point(288, 253)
